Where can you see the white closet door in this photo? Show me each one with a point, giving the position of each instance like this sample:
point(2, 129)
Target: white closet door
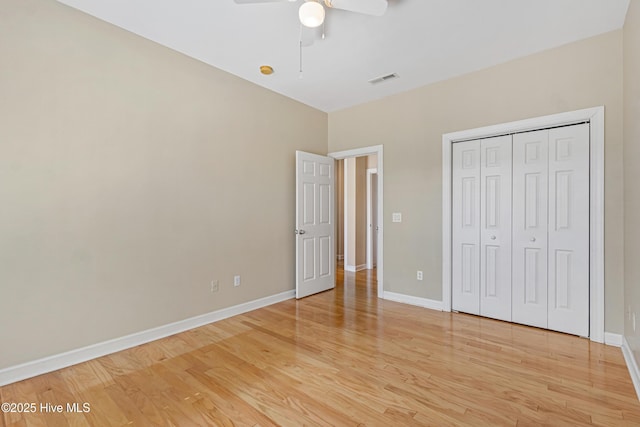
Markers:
point(529, 261)
point(569, 229)
point(465, 292)
point(495, 227)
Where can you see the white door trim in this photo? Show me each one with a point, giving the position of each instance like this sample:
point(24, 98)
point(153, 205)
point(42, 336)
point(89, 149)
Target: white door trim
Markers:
point(366, 151)
point(596, 206)
point(369, 258)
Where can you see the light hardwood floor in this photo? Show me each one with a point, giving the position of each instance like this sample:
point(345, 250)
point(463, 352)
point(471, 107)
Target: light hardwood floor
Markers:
point(344, 358)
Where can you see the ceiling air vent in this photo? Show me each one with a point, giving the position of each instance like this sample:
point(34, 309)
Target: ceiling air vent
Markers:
point(383, 78)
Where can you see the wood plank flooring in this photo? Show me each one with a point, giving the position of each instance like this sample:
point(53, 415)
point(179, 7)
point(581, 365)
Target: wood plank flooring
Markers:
point(343, 358)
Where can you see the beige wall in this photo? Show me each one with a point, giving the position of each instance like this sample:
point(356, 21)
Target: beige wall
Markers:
point(372, 161)
point(632, 175)
point(584, 74)
point(131, 176)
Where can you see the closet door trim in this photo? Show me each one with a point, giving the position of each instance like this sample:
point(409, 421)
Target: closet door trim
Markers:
point(595, 117)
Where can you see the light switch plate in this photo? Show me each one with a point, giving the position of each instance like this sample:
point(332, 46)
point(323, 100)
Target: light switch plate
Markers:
point(396, 217)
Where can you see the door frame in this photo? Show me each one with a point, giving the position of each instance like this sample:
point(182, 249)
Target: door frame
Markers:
point(366, 151)
point(369, 257)
point(595, 117)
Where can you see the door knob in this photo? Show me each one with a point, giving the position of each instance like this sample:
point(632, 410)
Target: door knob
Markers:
point(493, 237)
point(533, 239)
point(301, 232)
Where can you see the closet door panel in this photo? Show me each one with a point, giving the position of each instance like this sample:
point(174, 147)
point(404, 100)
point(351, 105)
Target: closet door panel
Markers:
point(530, 212)
point(569, 229)
point(495, 227)
point(465, 292)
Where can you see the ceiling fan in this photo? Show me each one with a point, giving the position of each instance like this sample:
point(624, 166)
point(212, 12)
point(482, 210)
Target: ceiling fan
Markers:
point(312, 13)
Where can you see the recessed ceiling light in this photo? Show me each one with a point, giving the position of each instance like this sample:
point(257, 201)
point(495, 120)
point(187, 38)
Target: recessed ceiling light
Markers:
point(266, 69)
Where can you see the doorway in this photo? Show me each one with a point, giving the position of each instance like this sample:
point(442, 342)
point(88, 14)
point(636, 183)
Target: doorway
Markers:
point(359, 244)
point(357, 212)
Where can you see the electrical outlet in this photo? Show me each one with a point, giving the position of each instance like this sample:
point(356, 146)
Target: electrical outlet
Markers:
point(236, 280)
point(419, 275)
point(215, 286)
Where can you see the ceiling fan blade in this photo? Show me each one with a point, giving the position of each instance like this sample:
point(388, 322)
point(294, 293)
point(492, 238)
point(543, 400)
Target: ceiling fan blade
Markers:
point(256, 1)
point(367, 7)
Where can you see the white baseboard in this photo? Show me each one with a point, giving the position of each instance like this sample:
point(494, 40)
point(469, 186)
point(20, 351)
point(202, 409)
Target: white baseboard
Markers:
point(354, 268)
point(634, 371)
point(611, 339)
point(408, 299)
point(58, 361)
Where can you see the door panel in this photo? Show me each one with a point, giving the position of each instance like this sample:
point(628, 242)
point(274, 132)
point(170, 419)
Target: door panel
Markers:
point(495, 227)
point(569, 229)
point(529, 247)
point(325, 257)
point(465, 292)
point(309, 197)
point(468, 268)
point(531, 278)
point(309, 269)
point(469, 200)
point(325, 204)
point(562, 263)
point(315, 250)
point(491, 266)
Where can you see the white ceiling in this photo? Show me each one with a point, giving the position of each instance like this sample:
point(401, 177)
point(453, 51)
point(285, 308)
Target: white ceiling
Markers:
point(423, 41)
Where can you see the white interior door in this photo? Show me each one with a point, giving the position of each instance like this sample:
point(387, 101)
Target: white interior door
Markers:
point(315, 250)
point(495, 227)
point(465, 260)
point(569, 229)
point(530, 195)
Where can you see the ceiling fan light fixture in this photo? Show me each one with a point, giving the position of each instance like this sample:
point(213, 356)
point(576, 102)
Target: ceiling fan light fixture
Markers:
point(311, 14)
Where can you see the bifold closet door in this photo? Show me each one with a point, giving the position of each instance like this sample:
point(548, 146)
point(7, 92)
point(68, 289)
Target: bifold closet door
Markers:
point(551, 229)
point(495, 227)
point(465, 290)
point(482, 227)
point(530, 212)
point(569, 229)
